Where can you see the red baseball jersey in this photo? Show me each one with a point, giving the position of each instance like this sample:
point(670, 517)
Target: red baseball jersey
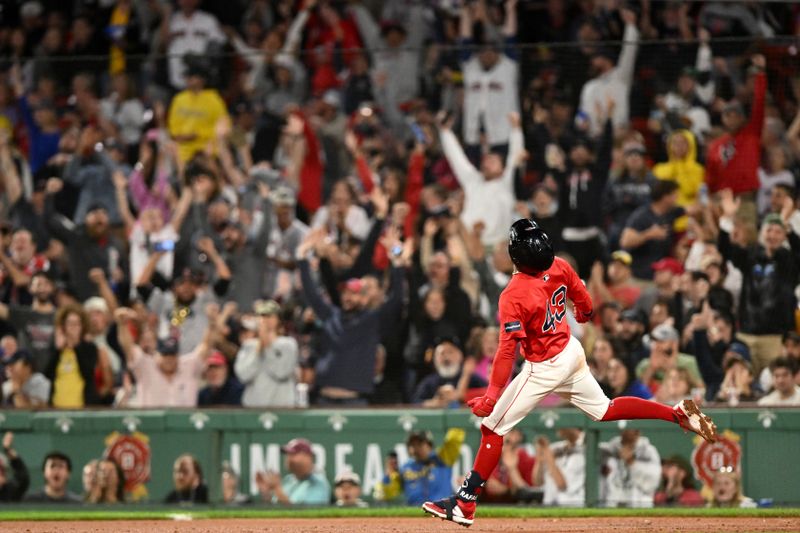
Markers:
point(533, 310)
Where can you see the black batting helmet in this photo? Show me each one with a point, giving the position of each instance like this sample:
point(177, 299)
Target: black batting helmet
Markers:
point(530, 247)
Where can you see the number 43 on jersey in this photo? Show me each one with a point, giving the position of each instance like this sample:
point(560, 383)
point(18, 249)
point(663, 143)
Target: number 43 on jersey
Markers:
point(556, 309)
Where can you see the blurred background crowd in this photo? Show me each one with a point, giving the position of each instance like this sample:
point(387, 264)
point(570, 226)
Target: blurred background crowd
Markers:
point(306, 202)
point(632, 474)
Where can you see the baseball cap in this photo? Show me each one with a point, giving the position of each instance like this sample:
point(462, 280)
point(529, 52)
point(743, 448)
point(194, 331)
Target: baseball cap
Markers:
point(664, 332)
point(634, 148)
point(354, 284)
point(634, 315)
point(298, 446)
point(266, 307)
point(740, 349)
point(216, 359)
point(774, 218)
point(188, 274)
point(449, 339)
point(423, 436)
point(606, 52)
point(95, 303)
point(168, 346)
point(283, 196)
point(96, 206)
point(332, 98)
point(347, 476)
point(623, 257)
point(19, 355)
point(668, 263)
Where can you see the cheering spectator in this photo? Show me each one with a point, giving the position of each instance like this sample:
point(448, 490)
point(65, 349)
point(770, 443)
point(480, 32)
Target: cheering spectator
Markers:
point(166, 377)
point(512, 480)
point(187, 479)
point(345, 370)
point(620, 288)
point(79, 372)
point(627, 190)
point(91, 244)
point(452, 378)
point(427, 473)
point(632, 470)
point(394, 48)
point(791, 351)
point(488, 192)
point(195, 113)
point(733, 159)
point(649, 231)
point(620, 381)
point(664, 356)
point(677, 385)
point(56, 468)
point(285, 236)
point(18, 267)
point(580, 194)
point(726, 487)
point(347, 490)
point(766, 307)
point(108, 485)
point(612, 82)
point(677, 484)
point(302, 485)
point(267, 363)
point(189, 31)
point(230, 487)
point(561, 468)
point(682, 168)
point(222, 387)
point(490, 77)
point(14, 477)
point(35, 324)
point(24, 388)
point(786, 392)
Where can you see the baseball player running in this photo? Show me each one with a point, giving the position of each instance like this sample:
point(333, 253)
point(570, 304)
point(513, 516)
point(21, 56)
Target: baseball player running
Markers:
point(532, 311)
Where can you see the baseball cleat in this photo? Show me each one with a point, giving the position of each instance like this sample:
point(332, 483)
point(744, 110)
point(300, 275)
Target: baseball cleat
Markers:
point(452, 509)
point(692, 419)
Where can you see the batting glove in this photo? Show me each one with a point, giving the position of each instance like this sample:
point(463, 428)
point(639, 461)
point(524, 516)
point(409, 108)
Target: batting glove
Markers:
point(482, 406)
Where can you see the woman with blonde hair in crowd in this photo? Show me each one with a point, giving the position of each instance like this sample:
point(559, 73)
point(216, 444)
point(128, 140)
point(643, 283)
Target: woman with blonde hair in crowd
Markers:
point(726, 488)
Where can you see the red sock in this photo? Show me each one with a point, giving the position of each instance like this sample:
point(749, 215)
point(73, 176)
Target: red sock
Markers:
point(631, 408)
point(488, 454)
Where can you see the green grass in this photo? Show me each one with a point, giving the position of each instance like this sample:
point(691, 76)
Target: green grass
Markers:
point(83, 513)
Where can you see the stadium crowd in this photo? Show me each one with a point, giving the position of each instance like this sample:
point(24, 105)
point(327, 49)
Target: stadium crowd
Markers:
point(296, 203)
point(632, 474)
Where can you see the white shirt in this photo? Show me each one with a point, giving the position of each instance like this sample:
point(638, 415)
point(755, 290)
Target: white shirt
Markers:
point(140, 252)
point(154, 389)
point(614, 84)
point(572, 463)
point(189, 35)
point(489, 96)
point(489, 201)
point(774, 399)
point(635, 484)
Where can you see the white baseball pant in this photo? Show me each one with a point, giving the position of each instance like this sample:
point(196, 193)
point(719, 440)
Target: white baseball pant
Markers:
point(566, 374)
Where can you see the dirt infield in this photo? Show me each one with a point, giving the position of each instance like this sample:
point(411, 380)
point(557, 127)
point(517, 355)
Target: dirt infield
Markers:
point(417, 525)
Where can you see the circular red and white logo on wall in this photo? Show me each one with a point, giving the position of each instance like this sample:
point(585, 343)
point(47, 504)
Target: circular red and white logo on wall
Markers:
point(132, 454)
point(708, 458)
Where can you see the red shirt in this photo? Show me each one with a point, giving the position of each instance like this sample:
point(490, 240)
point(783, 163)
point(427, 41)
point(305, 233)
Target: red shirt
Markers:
point(533, 312)
point(732, 160)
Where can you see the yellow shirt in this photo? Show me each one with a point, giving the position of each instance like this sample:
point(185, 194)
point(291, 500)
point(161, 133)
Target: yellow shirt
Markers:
point(120, 17)
point(68, 384)
point(195, 114)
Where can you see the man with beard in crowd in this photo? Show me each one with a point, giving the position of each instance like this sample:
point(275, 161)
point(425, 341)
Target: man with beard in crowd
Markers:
point(92, 245)
point(35, 324)
point(452, 378)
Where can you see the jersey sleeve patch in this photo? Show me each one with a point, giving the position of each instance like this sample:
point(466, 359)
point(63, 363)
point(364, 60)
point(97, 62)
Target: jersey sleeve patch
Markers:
point(511, 327)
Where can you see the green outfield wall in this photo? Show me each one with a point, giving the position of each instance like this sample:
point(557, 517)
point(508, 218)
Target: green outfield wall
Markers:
point(765, 443)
